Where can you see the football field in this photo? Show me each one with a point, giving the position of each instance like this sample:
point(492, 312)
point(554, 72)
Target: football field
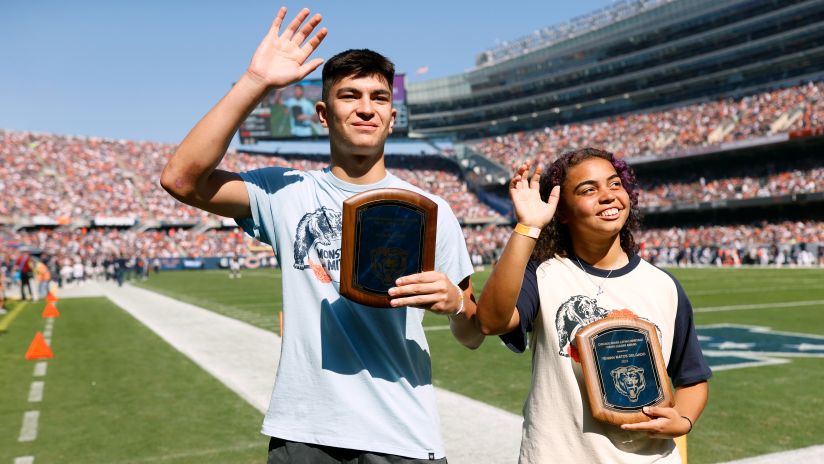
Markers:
point(115, 392)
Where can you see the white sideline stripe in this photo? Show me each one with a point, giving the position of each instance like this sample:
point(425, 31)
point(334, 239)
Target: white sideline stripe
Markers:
point(24, 460)
point(189, 454)
point(36, 391)
point(787, 304)
point(40, 369)
point(811, 455)
point(28, 432)
point(435, 328)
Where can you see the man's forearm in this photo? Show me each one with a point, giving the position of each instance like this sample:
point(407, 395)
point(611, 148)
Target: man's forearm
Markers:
point(465, 328)
point(203, 148)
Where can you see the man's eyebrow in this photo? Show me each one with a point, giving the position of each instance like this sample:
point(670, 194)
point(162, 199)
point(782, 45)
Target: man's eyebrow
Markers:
point(379, 91)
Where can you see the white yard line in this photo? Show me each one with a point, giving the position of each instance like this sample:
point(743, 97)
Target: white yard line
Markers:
point(783, 304)
point(28, 432)
point(24, 460)
point(40, 369)
point(36, 391)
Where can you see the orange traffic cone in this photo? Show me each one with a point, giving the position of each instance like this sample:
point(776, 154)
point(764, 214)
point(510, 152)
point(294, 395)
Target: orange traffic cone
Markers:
point(39, 349)
point(51, 298)
point(50, 311)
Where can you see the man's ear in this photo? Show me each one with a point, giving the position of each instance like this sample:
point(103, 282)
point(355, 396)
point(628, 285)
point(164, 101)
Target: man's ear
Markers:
point(392, 119)
point(320, 109)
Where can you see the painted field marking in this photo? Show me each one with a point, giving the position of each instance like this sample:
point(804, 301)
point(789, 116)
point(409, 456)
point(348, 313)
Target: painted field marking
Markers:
point(788, 304)
point(36, 391)
point(9, 318)
point(24, 460)
point(188, 454)
point(435, 328)
point(28, 432)
point(40, 369)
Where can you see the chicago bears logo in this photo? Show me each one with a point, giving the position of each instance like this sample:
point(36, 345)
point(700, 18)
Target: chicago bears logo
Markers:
point(629, 381)
point(317, 228)
point(575, 313)
point(388, 263)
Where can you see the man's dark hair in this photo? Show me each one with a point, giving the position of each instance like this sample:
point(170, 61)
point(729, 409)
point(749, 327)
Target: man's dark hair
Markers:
point(555, 238)
point(356, 63)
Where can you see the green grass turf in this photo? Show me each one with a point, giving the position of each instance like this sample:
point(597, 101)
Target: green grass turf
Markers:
point(117, 393)
point(751, 411)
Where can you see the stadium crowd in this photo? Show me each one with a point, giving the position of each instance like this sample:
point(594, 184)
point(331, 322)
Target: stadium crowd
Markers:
point(67, 177)
point(733, 188)
point(669, 132)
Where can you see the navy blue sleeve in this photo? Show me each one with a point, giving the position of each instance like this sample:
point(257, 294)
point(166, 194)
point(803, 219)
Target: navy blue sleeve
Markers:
point(527, 305)
point(687, 364)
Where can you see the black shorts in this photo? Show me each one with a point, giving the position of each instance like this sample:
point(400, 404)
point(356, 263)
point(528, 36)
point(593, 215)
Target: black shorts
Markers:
point(291, 452)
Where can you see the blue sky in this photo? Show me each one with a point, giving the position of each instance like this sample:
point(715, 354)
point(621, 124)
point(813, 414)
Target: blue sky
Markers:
point(148, 70)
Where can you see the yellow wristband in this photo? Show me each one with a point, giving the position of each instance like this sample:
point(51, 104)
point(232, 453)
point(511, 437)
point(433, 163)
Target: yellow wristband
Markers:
point(532, 232)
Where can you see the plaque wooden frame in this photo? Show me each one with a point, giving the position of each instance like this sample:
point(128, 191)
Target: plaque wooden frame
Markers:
point(352, 234)
point(602, 409)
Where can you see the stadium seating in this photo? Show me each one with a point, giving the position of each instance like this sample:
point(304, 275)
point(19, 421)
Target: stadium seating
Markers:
point(60, 180)
point(669, 132)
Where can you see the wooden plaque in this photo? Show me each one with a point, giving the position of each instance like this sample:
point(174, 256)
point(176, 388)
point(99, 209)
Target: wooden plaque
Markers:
point(624, 369)
point(387, 233)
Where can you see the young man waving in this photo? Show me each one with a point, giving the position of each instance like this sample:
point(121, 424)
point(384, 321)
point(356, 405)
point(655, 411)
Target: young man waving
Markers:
point(354, 383)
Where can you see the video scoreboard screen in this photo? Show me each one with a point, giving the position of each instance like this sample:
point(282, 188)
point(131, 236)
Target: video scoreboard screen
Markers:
point(289, 113)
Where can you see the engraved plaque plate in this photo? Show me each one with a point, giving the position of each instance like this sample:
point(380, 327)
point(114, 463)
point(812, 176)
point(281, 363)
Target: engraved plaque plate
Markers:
point(624, 369)
point(387, 233)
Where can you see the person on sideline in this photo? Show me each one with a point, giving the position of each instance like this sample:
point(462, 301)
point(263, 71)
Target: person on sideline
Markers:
point(572, 260)
point(354, 383)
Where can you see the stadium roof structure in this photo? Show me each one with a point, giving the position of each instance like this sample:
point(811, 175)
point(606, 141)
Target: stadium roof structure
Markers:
point(618, 11)
point(656, 55)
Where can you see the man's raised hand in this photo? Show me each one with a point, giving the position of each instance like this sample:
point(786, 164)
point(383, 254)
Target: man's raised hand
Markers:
point(280, 59)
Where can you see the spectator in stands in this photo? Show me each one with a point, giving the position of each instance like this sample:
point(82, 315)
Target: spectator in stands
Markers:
point(368, 413)
point(565, 259)
point(25, 267)
point(43, 277)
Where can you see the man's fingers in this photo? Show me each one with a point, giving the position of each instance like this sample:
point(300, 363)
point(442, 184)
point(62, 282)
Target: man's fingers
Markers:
point(424, 288)
point(307, 68)
point(295, 24)
point(275, 29)
point(313, 43)
point(419, 301)
point(422, 277)
point(307, 29)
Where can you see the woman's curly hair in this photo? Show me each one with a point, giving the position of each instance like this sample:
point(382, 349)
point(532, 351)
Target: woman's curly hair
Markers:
point(555, 238)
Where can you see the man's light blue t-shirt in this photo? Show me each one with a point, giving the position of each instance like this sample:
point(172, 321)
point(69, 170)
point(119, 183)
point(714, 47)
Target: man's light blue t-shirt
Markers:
point(350, 376)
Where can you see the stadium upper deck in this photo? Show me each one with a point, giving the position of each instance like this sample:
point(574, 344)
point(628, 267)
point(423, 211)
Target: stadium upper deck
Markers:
point(662, 55)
